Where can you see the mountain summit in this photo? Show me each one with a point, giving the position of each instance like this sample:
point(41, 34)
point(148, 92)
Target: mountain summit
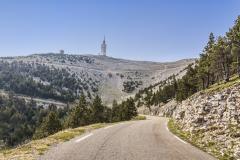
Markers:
point(64, 77)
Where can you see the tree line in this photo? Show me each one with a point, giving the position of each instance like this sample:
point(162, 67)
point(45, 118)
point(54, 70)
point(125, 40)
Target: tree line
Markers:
point(85, 113)
point(21, 121)
point(219, 60)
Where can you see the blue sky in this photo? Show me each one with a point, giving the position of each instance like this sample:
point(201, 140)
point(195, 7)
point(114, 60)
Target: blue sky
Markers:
point(157, 30)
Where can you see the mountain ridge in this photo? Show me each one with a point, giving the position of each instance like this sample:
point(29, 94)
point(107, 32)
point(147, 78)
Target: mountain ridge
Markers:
point(109, 77)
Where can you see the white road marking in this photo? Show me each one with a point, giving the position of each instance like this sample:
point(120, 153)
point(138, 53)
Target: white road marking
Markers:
point(108, 127)
point(167, 126)
point(174, 135)
point(82, 138)
point(167, 129)
point(180, 139)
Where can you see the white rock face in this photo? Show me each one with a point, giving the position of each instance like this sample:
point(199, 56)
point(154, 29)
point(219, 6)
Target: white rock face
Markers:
point(215, 116)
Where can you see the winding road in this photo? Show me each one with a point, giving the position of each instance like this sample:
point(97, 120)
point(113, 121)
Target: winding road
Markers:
point(134, 140)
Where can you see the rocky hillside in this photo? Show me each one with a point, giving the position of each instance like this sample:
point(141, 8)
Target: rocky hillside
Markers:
point(64, 77)
point(211, 120)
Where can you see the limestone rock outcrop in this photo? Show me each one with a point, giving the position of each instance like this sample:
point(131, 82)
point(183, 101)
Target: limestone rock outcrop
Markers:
point(212, 117)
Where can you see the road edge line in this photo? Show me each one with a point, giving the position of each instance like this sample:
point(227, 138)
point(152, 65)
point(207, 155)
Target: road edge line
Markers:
point(174, 134)
point(108, 127)
point(83, 138)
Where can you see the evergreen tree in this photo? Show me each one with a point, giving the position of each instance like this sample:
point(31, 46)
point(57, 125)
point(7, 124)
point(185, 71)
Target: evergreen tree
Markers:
point(132, 110)
point(116, 116)
point(50, 125)
point(204, 63)
point(222, 59)
point(97, 110)
point(89, 95)
point(148, 99)
point(128, 109)
point(79, 115)
point(234, 37)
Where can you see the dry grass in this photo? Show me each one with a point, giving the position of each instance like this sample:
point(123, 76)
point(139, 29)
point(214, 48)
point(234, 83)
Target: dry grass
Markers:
point(195, 139)
point(139, 117)
point(222, 85)
point(33, 149)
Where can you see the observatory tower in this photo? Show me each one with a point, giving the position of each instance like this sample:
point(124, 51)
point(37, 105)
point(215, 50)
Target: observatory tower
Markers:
point(103, 48)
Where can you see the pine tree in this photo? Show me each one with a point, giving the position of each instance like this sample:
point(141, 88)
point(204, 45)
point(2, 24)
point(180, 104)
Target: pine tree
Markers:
point(148, 99)
point(222, 59)
point(97, 110)
point(234, 37)
point(79, 115)
point(89, 95)
point(116, 116)
point(51, 124)
point(130, 109)
point(204, 63)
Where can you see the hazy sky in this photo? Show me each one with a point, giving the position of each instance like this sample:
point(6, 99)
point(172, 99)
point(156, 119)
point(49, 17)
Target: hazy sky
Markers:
point(158, 30)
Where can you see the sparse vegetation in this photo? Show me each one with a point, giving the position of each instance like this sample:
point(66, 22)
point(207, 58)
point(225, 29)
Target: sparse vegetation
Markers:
point(130, 86)
point(63, 77)
point(33, 149)
point(195, 139)
point(222, 85)
point(38, 80)
point(139, 117)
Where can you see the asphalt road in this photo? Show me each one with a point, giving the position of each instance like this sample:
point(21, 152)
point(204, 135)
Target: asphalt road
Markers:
point(136, 140)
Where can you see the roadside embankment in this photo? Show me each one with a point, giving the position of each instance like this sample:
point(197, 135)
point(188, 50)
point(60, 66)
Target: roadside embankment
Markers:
point(210, 120)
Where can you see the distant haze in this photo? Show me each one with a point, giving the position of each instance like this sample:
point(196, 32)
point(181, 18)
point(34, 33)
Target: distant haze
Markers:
point(150, 30)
